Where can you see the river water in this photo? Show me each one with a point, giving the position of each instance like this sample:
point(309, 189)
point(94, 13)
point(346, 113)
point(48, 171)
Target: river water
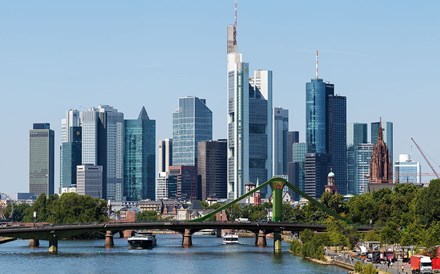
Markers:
point(207, 255)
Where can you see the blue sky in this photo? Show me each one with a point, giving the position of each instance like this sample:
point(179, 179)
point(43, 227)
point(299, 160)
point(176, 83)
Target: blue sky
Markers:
point(60, 55)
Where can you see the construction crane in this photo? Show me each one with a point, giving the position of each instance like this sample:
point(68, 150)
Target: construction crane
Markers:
point(426, 159)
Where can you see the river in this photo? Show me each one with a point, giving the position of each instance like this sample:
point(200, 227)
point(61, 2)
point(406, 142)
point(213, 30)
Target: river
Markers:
point(207, 255)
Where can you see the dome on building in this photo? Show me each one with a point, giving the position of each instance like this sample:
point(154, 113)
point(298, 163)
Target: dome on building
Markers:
point(331, 174)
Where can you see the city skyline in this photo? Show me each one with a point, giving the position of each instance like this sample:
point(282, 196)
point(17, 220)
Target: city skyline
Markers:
point(377, 55)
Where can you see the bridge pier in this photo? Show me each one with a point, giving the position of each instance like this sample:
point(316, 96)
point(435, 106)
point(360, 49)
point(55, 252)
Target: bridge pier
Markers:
point(33, 243)
point(277, 242)
point(109, 239)
point(127, 233)
point(260, 239)
point(187, 238)
point(53, 244)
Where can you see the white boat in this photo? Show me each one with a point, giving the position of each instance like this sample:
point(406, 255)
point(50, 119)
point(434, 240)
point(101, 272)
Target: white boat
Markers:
point(142, 240)
point(230, 238)
point(205, 232)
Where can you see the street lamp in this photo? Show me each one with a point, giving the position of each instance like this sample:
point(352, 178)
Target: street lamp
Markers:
point(35, 217)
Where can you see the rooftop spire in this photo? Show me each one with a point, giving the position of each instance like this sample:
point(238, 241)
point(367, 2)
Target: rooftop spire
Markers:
point(143, 115)
point(235, 21)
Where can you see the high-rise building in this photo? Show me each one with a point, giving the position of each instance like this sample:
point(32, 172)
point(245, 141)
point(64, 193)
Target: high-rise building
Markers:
point(192, 123)
point(140, 158)
point(249, 121)
point(212, 168)
point(362, 155)
point(71, 157)
point(187, 182)
point(102, 144)
point(387, 131)
point(315, 170)
point(326, 130)
point(356, 134)
point(337, 136)
point(41, 159)
point(89, 180)
point(292, 138)
point(165, 155)
point(407, 170)
point(280, 129)
point(67, 166)
point(296, 172)
point(166, 187)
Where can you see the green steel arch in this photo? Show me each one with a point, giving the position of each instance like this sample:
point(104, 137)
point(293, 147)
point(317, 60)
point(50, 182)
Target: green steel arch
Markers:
point(277, 184)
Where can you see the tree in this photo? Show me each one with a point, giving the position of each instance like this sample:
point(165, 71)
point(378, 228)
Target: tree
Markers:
point(147, 216)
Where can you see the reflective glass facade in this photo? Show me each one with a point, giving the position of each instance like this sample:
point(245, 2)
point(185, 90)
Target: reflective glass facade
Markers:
point(139, 158)
point(356, 134)
point(192, 123)
point(362, 156)
point(71, 157)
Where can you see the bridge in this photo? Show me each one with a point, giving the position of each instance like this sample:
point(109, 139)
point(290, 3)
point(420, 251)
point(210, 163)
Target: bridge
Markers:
point(53, 233)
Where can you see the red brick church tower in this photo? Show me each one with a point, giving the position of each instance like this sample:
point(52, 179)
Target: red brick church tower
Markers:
point(380, 166)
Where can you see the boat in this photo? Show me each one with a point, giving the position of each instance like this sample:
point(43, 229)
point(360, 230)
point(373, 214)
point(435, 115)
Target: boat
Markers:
point(142, 240)
point(230, 238)
point(205, 232)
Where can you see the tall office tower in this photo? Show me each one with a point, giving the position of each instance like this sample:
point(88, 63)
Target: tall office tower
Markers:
point(187, 182)
point(212, 168)
point(356, 134)
point(41, 159)
point(71, 120)
point(296, 172)
point(315, 170)
point(140, 158)
point(407, 170)
point(103, 129)
point(165, 155)
point(362, 156)
point(89, 180)
point(280, 129)
point(249, 120)
point(192, 123)
point(387, 135)
point(326, 122)
point(292, 138)
point(71, 157)
point(337, 136)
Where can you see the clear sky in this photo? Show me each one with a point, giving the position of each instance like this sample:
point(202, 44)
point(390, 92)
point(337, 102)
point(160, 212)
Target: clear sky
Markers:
point(61, 55)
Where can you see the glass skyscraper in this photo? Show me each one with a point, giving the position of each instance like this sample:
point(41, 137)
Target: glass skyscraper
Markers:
point(71, 157)
point(326, 122)
point(357, 133)
point(139, 158)
point(280, 129)
point(407, 170)
point(41, 159)
point(192, 123)
point(296, 172)
point(362, 156)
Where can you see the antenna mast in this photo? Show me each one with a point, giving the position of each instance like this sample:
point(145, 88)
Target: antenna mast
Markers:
point(317, 65)
point(235, 21)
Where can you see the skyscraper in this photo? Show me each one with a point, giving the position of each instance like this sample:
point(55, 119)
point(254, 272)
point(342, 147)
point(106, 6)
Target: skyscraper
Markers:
point(249, 121)
point(192, 123)
point(165, 155)
point(140, 158)
point(292, 138)
point(356, 134)
point(41, 159)
point(89, 180)
point(71, 157)
point(296, 169)
point(362, 156)
point(280, 129)
point(102, 144)
point(212, 168)
point(326, 133)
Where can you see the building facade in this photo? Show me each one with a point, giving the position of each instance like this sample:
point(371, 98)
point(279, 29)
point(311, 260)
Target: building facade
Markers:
point(362, 156)
point(89, 180)
point(249, 121)
point(165, 155)
point(41, 159)
point(296, 171)
point(407, 170)
point(387, 132)
point(280, 151)
point(192, 123)
point(212, 168)
point(357, 133)
point(140, 158)
point(71, 155)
